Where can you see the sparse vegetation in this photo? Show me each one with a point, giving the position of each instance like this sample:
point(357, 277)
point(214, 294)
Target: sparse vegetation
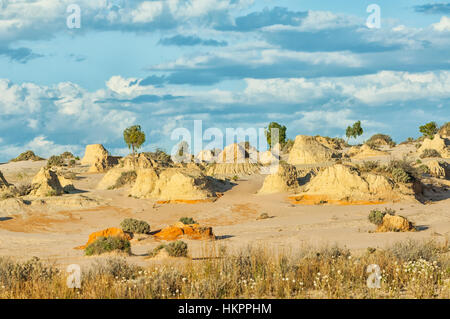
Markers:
point(379, 140)
point(159, 156)
point(413, 250)
point(67, 155)
point(24, 189)
point(429, 152)
point(175, 249)
point(400, 171)
point(409, 140)
point(55, 160)
point(135, 226)
point(125, 178)
point(187, 220)
point(12, 272)
point(368, 166)
point(423, 169)
point(410, 270)
point(108, 244)
point(399, 175)
point(27, 156)
point(376, 216)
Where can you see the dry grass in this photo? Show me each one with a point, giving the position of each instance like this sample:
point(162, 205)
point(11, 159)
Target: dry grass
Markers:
point(409, 270)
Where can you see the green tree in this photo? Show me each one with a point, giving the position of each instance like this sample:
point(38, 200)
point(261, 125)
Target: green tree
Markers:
point(429, 129)
point(134, 138)
point(281, 133)
point(354, 131)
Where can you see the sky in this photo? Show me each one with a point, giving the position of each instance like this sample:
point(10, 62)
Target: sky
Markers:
point(313, 66)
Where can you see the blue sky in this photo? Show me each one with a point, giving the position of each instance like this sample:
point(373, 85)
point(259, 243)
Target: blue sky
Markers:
point(313, 66)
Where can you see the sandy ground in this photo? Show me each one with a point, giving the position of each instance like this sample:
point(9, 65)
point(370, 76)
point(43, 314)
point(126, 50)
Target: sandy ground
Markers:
point(52, 236)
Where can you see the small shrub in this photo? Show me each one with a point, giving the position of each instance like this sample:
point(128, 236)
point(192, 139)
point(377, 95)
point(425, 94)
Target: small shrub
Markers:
point(176, 249)
point(156, 250)
point(19, 272)
point(132, 225)
point(55, 160)
point(187, 220)
point(24, 189)
point(159, 156)
point(400, 176)
point(378, 140)
point(263, 216)
point(124, 179)
point(332, 252)
point(6, 194)
point(51, 193)
point(369, 166)
point(429, 152)
point(108, 244)
point(67, 155)
point(113, 267)
point(26, 156)
point(234, 178)
point(423, 169)
point(401, 171)
point(376, 216)
point(412, 250)
point(373, 145)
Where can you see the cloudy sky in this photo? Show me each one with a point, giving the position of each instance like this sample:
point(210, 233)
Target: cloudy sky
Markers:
point(311, 65)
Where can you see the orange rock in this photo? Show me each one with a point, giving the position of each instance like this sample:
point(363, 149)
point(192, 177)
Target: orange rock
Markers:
point(395, 224)
point(108, 232)
point(179, 230)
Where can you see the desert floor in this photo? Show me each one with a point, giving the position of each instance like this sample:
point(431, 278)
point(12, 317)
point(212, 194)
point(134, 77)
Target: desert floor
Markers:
point(52, 235)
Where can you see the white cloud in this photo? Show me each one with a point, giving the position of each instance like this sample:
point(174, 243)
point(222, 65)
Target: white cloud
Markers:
point(147, 11)
point(41, 19)
point(123, 86)
point(443, 25)
point(41, 146)
point(383, 87)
